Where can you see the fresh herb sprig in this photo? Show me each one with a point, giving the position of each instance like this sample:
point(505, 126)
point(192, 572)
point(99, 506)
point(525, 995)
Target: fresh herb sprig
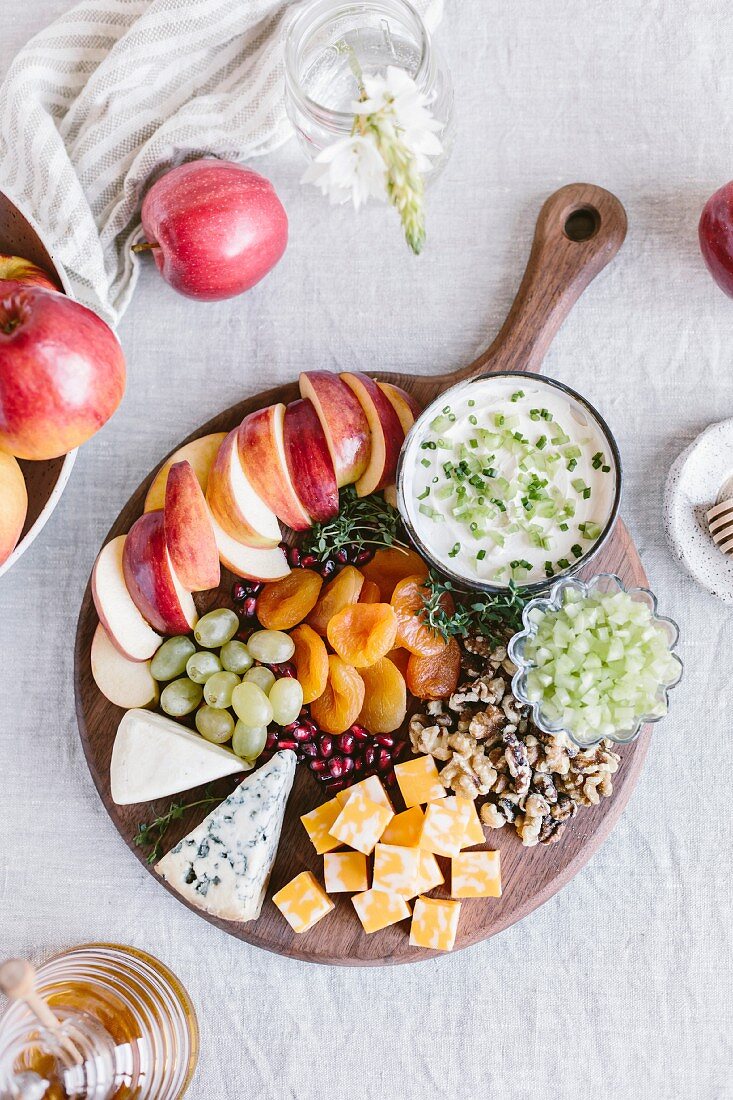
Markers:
point(152, 835)
point(494, 617)
point(365, 522)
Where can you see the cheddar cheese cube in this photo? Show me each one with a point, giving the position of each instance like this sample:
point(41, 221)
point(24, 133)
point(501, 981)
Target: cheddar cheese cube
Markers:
point(474, 830)
point(435, 923)
point(345, 872)
point(317, 824)
point(396, 869)
point(371, 787)
point(430, 874)
point(303, 902)
point(377, 909)
point(476, 875)
point(361, 823)
point(419, 781)
point(444, 830)
point(405, 828)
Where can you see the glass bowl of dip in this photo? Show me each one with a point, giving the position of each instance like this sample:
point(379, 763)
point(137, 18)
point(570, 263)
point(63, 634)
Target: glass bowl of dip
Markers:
point(509, 477)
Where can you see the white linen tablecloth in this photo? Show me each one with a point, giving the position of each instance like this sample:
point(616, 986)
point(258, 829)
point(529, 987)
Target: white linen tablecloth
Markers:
point(621, 985)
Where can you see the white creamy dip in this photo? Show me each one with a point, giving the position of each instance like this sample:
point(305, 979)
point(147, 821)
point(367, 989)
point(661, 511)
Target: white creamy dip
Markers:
point(508, 478)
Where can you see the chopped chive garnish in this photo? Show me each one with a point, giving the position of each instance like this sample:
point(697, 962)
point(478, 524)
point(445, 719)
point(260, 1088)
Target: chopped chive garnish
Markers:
point(516, 396)
point(597, 460)
point(545, 414)
point(541, 443)
point(563, 527)
point(586, 493)
point(473, 443)
point(473, 420)
point(499, 419)
point(572, 463)
point(563, 563)
point(424, 461)
point(446, 409)
point(481, 554)
point(578, 484)
point(577, 550)
point(549, 571)
point(454, 550)
point(425, 493)
point(606, 469)
point(534, 414)
point(428, 445)
point(471, 403)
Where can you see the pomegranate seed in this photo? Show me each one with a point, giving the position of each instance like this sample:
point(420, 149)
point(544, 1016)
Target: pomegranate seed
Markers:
point(325, 746)
point(286, 669)
point(327, 569)
point(238, 591)
point(249, 607)
point(311, 726)
point(398, 749)
point(301, 733)
point(318, 765)
point(334, 785)
point(308, 561)
point(342, 556)
point(384, 740)
point(370, 756)
point(336, 766)
point(348, 764)
point(309, 749)
point(293, 553)
point(364, 556)
point(271, 741)
point(358, 765)
point(359, 733)
point(290, 727)
point(284, 744)
point(346, 743)
point(384, 763)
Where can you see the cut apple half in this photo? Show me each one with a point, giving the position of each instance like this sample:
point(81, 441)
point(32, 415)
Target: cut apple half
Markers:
point(151, 579)
point(189, 535)
point(343, 421)
point(403, 403)
point(118, 613)
point(250, 562)
point(387, 434)
point(200, 453)
point(309, 461)
point(262, 453)
point(234, 503)
point(124, 682)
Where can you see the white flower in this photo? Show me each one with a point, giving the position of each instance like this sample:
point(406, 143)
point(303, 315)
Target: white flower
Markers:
point(351, 168)
point(399, 104)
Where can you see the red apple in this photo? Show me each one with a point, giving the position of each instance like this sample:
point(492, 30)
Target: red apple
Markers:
point(19, 270)
point(262, 453)
point(62, 372)
point(14, 504)
point(234, 503)
point(118, 614)
point(716, 237)
point(189, 535)
point(309, 461)
point(214, 228)
point(403, 403)
point(151, 580)
point(342, 419)
point(386, 432)
point(250, 562)
point(199, 452)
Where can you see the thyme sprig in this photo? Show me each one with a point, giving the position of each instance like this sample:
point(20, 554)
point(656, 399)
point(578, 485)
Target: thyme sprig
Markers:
point(495, 617)
point(152, 835)
point(364, 522)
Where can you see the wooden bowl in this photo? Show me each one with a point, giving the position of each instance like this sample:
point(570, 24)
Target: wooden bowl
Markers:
point(45, 481)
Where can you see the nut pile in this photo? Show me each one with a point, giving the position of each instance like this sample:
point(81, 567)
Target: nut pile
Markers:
point(492, 750)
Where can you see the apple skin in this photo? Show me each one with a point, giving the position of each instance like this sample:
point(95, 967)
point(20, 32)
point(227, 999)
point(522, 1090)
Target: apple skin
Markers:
point(151, 581)
point(200, 453)
point(386, 431)
point(14, 501)
point(342, 419)
point(127, 629)
point(261, 442)
point(250, 562)
point(17, 269)
point(216, 228)
point(189, 534)
point(234, 503)
point(309, 461)
point(403, 403)
point(62, 372)
point(716, 237)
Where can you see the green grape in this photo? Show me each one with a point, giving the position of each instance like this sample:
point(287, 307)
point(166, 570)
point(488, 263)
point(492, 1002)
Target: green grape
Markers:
point(180, 697)
point(249, 741)
point(235, 657)
point(201, 665)
point(286, 699)
point(169, 660)
point(251, 705)
point(261, 676)
point(219, 687)
point(216, 628)
point(214, 724)
point(272, 647)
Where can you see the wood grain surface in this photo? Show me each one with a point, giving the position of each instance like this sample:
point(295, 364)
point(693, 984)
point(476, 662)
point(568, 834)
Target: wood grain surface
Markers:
point(558, 271)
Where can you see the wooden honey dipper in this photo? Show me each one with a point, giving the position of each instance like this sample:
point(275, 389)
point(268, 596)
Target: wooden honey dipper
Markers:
point(720, 523)
point(18, 983)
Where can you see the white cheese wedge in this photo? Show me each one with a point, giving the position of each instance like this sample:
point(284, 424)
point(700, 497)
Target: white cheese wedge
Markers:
point(224, 865)
point(153, 756)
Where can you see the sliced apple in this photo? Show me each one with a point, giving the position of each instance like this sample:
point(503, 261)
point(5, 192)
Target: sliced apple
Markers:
point(200, 453)
point(250, 562)
point(151, 579)
point(125, 683)
point(390, 495)
point(309, 461)
point(262, 453)
point(189, 535)
point(234, 503)
point(118, 613)
point(14, 504)
point(403, 403)
point(343, 421)
point(386, 430)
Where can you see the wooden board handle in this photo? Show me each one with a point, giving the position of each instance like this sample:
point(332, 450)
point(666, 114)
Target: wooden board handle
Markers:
point(579, 230)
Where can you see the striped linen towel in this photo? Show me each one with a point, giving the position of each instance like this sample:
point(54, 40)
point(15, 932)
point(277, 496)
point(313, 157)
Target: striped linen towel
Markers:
point(117, 91)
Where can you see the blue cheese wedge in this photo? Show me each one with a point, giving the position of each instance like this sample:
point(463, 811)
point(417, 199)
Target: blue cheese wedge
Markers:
point(224, 865)
point(153, 756)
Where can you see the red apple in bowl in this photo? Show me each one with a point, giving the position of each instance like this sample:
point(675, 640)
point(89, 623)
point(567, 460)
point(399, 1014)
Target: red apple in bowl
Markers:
point(716, 237)
point(214, 228)
point(19, 270)
point(13, 504)
point(62, 372)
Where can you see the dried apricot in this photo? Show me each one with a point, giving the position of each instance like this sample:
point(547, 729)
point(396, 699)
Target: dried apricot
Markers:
point(387, 567)
point(283, 603)
point(413, 631)
point(370, 593)
point(339, 705)
point(400, 657)
point(343, 590)
point(311, 662)
point(363, 632)
point(435, 677)
point(385, 699)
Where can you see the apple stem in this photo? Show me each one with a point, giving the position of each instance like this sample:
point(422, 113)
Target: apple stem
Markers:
point(145, 246)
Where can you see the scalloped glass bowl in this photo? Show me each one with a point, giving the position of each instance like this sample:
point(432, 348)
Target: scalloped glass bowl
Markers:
point(604, 583)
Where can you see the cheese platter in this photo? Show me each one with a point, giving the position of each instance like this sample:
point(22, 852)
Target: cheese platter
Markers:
point(353, 644)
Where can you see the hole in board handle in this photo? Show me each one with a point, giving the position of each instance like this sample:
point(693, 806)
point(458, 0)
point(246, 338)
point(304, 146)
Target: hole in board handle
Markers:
point(582, 224)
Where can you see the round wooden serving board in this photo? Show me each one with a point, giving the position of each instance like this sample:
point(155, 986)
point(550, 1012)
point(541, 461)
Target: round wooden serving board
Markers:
point(579, 230)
